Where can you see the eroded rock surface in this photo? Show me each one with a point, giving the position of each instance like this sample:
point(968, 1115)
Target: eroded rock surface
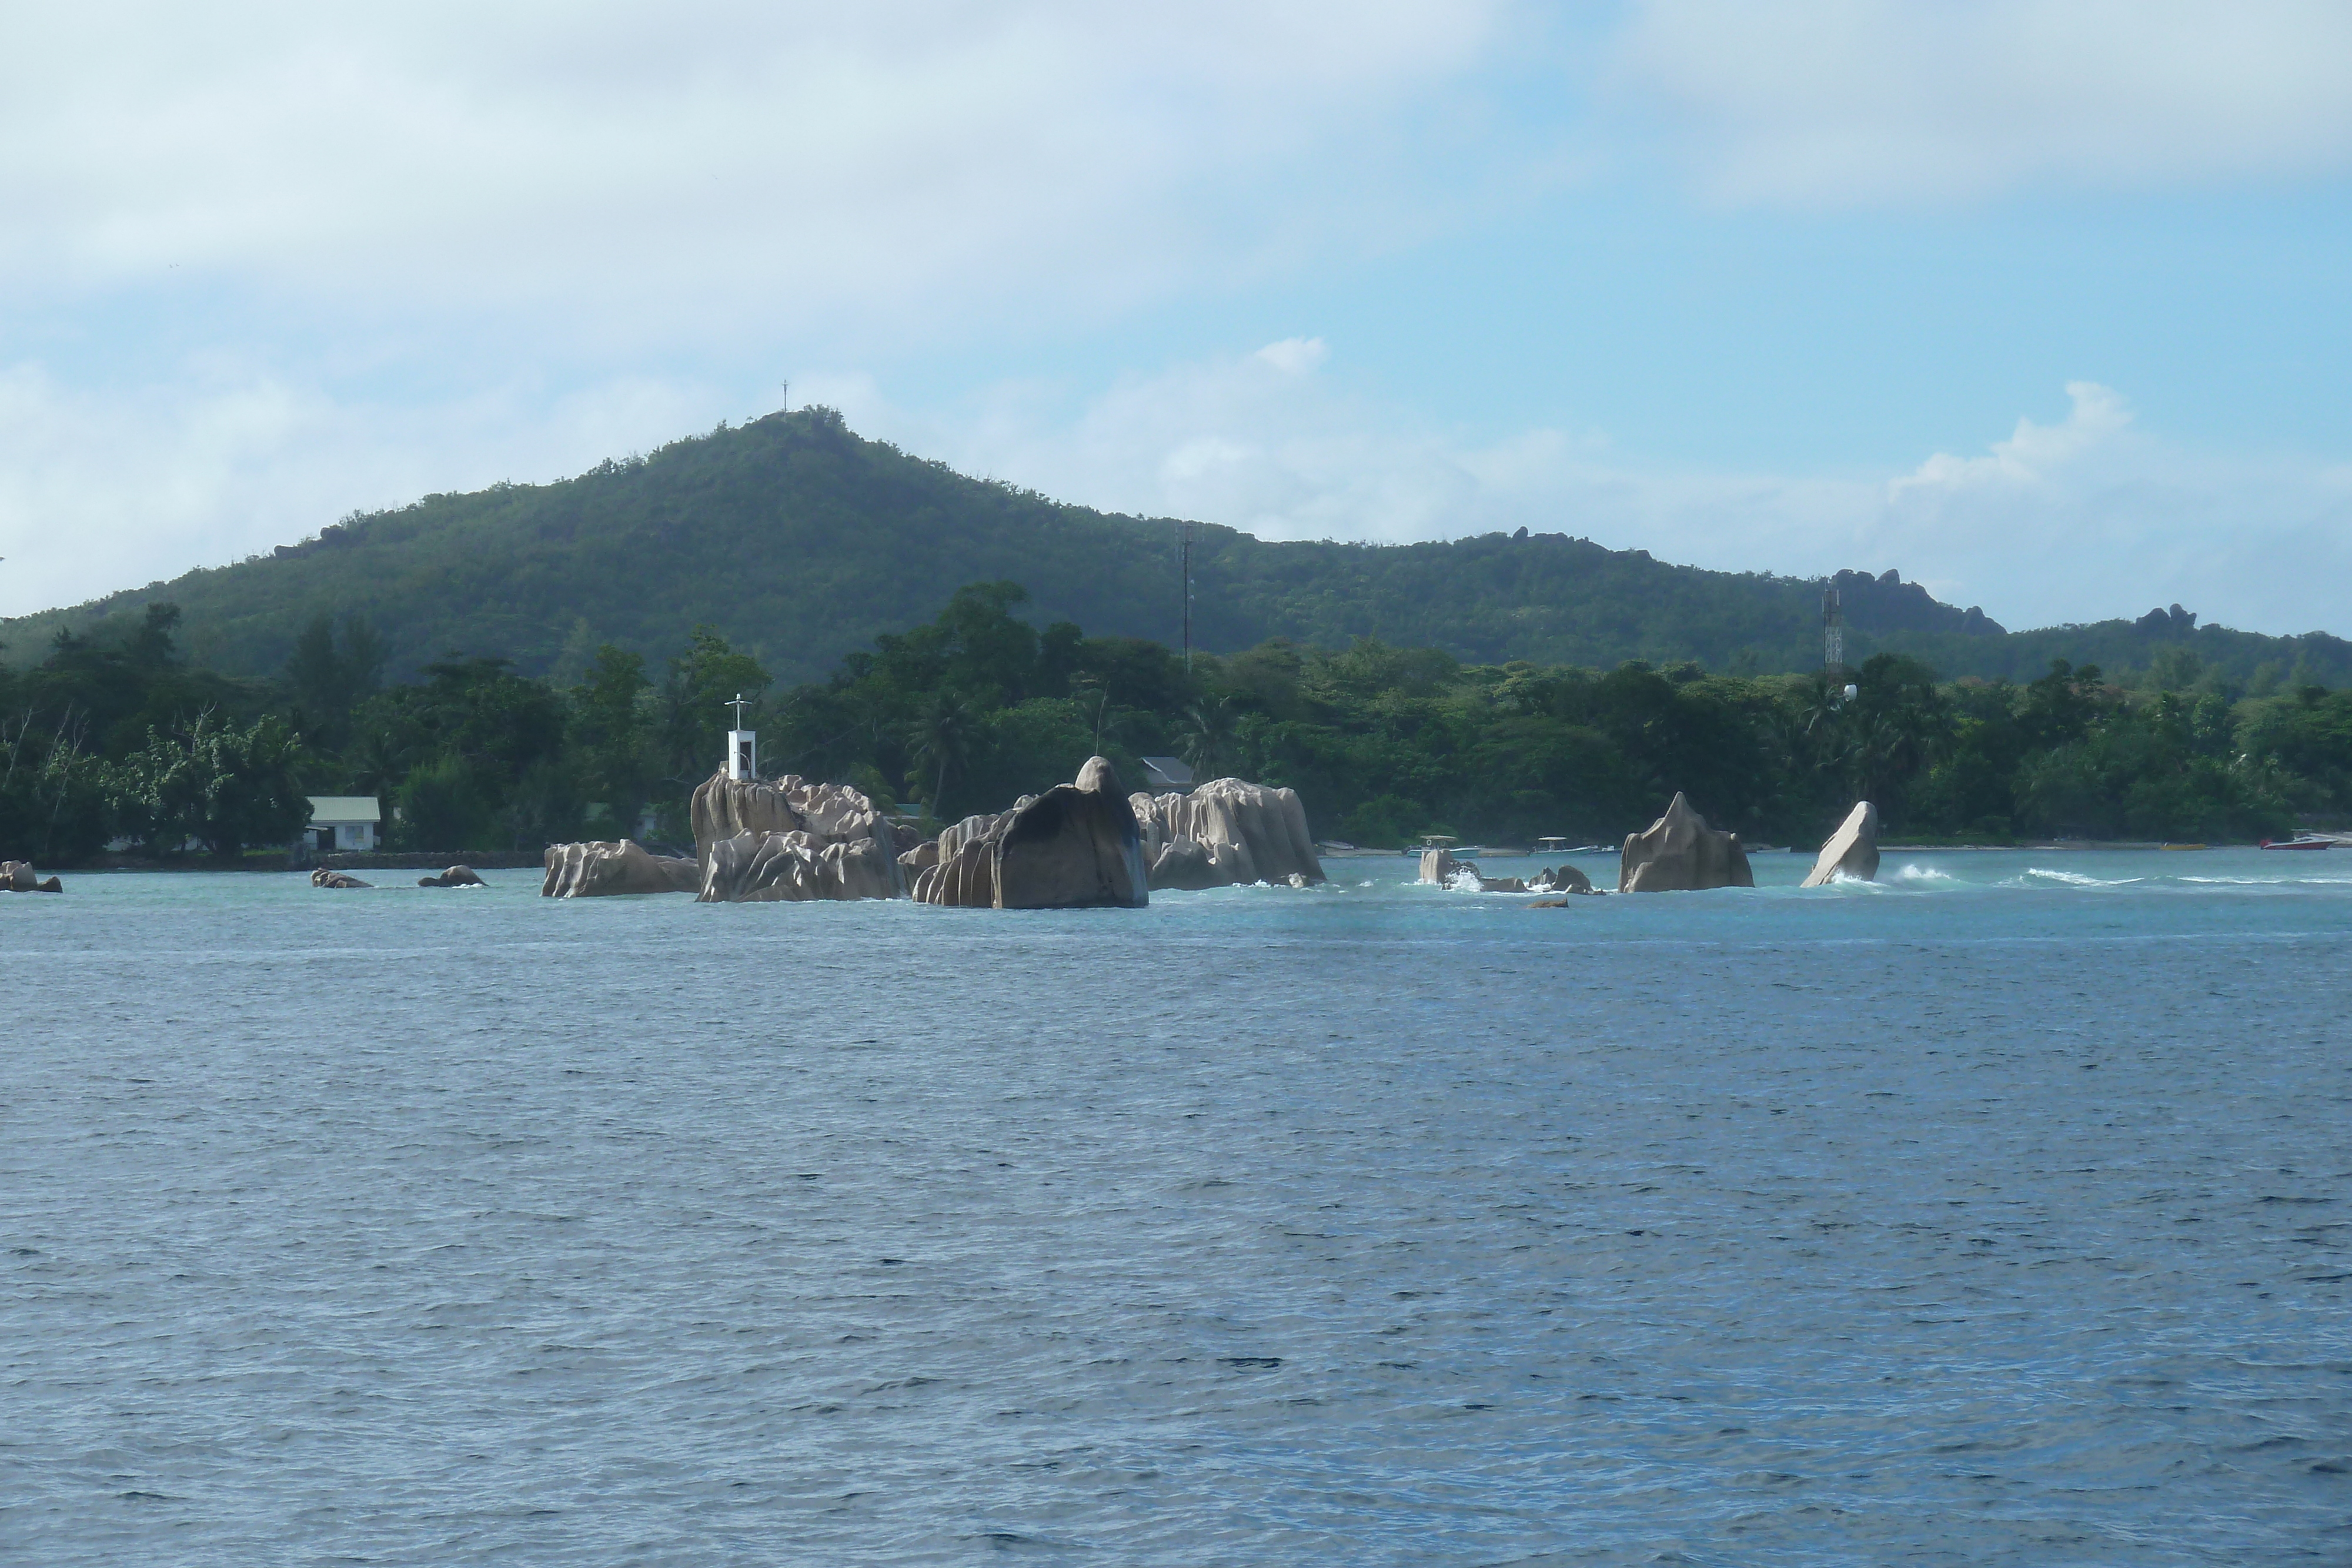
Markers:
point(602, 868)
point(1076, 846)
point(763, 868)
point(322, 877)
point(19, 876)
point(1439, 867)
point(788, 838)
point(1185, 865)
point(456, 876)
point(1680, 853)
point(1851, 852)
point(1247, 833)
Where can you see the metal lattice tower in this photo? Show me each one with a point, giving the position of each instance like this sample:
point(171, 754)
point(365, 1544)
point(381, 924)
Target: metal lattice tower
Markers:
point(1187, 554)
point(1832, 631)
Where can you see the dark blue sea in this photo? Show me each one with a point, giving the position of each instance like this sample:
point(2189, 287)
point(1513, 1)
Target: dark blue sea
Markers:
point(1997, 1213)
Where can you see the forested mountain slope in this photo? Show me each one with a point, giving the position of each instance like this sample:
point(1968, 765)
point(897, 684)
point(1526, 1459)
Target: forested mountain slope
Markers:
point(800, 541)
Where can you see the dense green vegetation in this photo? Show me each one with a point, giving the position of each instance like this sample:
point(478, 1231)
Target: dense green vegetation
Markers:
point(799, 542)
point(120, 738)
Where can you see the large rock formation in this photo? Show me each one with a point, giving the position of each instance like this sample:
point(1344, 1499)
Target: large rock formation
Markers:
point(1852, 853)
point(1680, 853)
point(19, 876)
point(1246, 833)
point(762, 839)
point(1439, 867)
point(602, 868)
point(1076, 846)
point(456, 876)
point(725, 808)
point(323, 877)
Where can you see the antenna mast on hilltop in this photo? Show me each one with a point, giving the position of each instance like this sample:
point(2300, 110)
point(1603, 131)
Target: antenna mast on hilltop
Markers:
point(1185, 552)
point(1833, 632)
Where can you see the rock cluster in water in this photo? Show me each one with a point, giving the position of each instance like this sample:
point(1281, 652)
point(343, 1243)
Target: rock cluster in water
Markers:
point(1075, 846)
point(1560, 879)
point(323, 877)
point(1852, 853)
point(1680, 853)
point(19, 876)
point(456, 876)
point(609, 868)
point(1442, 867)
point(1226, 833)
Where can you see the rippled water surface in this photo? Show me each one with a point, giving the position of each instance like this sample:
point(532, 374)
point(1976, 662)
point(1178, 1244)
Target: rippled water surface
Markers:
point(1996, 1213)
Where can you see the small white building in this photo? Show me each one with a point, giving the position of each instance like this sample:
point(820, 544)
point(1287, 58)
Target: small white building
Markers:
point(344, 822)
point(1161, 774)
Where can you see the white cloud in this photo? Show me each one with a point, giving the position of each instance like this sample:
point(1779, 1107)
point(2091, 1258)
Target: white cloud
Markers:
point(715, 166)
point(1296, 355)
point(1825, 102)
point(2032, 453)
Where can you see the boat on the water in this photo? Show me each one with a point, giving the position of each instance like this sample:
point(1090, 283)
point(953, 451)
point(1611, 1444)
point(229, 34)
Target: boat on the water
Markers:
point(2306, 842)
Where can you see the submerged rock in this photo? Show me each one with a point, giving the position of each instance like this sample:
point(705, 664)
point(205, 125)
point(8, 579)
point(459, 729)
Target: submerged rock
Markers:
point(1680, 853)
point(322, 877)
point(1076, 846)
point(601, 868)
point(1246, 833)
point(456, 876)
point(1851, 852)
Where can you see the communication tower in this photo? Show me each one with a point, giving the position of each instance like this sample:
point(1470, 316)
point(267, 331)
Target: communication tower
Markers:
point(1184, 552)
point(1832, 631)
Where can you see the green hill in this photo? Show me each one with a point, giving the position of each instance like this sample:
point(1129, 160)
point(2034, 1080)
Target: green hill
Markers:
point(801, 542)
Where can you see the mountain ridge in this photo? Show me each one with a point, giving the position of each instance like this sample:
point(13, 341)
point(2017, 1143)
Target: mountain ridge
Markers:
point(801, 540)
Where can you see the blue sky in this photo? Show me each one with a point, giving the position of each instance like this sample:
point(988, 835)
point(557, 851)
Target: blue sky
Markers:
point(2046, 306)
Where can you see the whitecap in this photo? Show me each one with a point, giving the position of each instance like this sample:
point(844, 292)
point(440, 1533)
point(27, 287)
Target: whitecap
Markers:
point(2076, 879)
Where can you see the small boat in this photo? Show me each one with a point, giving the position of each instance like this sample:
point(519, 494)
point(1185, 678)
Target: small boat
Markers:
point(2306, 842)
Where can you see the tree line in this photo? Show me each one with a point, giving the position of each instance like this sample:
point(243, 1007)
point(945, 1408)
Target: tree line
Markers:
point(125, 742)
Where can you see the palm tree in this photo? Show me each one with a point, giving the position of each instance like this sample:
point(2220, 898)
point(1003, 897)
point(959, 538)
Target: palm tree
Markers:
point(376, 764)
point(1208, 733)
point(941, 737)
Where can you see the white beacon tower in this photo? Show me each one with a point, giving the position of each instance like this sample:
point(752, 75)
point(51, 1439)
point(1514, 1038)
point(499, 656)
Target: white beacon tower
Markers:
point(742, 745)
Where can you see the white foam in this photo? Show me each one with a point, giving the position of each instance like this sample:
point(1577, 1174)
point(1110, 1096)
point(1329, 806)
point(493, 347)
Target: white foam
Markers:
point(1924, 874)
point(2076, 879)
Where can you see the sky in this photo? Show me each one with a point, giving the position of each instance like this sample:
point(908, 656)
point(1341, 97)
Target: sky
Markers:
point(2046, 306)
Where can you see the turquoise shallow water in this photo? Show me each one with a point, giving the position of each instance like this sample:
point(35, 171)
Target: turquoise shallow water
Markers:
point(1995, 1213)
